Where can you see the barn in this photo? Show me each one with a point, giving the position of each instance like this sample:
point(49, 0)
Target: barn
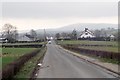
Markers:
point(24, 38)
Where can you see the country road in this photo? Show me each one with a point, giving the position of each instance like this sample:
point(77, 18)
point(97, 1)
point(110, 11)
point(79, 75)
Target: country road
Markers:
point(58, 63)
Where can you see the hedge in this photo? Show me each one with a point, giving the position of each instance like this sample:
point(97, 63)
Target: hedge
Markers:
point(76, 45)
point(23, 45)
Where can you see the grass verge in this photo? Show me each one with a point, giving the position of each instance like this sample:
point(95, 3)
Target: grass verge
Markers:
point(110, 60)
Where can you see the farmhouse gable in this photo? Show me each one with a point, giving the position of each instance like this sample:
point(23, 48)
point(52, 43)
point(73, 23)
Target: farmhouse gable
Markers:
point(87, 34)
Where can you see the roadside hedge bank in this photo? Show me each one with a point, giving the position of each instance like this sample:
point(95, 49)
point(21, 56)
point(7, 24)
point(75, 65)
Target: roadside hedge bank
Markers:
point(12, 68)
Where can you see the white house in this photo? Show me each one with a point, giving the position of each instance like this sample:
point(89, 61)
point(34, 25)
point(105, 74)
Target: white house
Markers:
point(112, 37)
point(87, 34)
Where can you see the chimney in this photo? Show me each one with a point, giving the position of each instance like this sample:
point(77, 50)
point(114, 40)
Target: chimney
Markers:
point(86, 29)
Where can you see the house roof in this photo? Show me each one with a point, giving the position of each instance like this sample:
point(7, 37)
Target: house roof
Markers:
point(87, 31)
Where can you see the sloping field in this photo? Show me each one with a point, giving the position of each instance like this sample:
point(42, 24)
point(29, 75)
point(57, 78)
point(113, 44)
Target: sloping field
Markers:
point(110, 46)
point(89, 42)
point(11, 54)
point(109, 49)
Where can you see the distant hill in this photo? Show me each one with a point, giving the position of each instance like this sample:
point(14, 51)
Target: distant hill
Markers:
point(69, 28)
point(90, 26)
point(79, 27)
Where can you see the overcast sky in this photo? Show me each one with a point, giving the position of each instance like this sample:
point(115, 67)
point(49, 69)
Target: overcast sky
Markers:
point(40, 15)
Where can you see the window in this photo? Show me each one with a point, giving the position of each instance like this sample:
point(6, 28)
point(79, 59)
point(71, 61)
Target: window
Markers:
point(86, 33)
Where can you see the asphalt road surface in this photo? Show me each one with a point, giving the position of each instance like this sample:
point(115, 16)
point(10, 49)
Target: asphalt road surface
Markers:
point(58, 63)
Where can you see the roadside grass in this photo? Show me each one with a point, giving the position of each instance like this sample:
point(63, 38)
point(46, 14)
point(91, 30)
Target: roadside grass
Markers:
point(0, 58)
point(26, 71)
point(109, 60)
point(11, 54)
point(113, 61)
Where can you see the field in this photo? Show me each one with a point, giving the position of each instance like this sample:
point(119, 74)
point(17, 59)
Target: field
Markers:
point(11, 54)
point(109, 49)
point(88, 42)
point(110, 46)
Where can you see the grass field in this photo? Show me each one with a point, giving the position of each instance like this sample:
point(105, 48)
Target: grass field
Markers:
point(11, 54)
point(109, 49)
point(114, 48)
point(88, 42)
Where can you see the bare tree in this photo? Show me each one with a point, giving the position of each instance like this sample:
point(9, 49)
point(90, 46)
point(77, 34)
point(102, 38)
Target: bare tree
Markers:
point(33, 34)
point(15, 33)
point(63, 34)
point(10, 32)
point(57, 35)
point(97, 33)
point(74, 34)
point(117, 35)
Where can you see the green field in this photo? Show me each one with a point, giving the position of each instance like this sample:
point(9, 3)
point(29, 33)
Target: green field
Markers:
point(11, 54)
point(109, 49)
point(113, 48)
point(88, 42)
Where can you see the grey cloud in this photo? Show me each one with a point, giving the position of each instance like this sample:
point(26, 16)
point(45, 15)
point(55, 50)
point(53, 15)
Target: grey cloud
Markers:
point(58, 9)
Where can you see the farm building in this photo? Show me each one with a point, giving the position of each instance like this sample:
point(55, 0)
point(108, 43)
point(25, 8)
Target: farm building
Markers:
point(3, 40)
point(86, 34)
point(112, 37)
point(24, 38)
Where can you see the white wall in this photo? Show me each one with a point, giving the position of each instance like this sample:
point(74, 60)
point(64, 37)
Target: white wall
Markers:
point(86, 36)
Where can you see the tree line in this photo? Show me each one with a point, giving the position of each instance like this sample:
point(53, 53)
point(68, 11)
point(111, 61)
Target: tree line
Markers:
point(99, 34)
point(10, 33)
